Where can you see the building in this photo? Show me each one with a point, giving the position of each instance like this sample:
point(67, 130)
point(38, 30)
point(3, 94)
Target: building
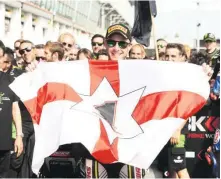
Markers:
point(43, 20)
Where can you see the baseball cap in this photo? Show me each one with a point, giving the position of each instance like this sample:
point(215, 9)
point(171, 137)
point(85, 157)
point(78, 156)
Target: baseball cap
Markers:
point(119, 29)
point(209, 37)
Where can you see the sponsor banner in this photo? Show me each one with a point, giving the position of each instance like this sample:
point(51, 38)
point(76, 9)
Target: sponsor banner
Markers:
point(201, 133)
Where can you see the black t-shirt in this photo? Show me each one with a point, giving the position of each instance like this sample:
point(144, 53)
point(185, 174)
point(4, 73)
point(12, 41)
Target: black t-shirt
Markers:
point(7, 97)
point(14, 73)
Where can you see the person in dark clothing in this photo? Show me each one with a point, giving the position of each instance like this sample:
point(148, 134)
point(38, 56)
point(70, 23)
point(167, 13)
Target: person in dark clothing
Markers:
point(9, 109)
point(20, 169)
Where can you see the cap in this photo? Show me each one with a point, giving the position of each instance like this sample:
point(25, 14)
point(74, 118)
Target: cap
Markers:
point(119, 29)
point(209, 37)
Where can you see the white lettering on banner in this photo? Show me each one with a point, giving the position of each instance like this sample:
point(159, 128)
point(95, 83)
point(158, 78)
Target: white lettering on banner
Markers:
point(209, 136)
point(193, 123)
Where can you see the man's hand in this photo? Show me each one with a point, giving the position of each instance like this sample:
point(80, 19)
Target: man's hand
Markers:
point(175, 137)
point(18, 146)
point(32, 66)
point(208, 70)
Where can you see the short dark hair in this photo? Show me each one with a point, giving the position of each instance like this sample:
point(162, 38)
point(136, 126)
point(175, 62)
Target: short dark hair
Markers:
point(39, 46)
point(102, 52)
point(2, 46)
point(179, 47)
point(199, 58)
point(86, 52)
point(97, 35)
point(10, 53)
point(161, 54)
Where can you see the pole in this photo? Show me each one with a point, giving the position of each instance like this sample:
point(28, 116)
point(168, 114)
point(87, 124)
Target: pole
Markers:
point(154, 37)
point(198, 28)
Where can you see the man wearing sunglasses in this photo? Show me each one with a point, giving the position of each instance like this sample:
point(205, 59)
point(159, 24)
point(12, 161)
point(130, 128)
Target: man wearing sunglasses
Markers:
point(211, 48)
point(97, 43)
point(118, 42)
point(40, 54)
point(161, 45)
point(27, 51)
point(68, 41)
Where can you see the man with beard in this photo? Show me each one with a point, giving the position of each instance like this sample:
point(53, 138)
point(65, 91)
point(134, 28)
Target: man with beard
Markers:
point(97, 43)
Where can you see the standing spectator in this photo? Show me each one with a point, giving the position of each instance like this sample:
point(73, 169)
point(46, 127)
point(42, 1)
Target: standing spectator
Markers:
point(54, 51)
point(27, 51)
point(68, 41)
point(8, 66)
point(175, 52)
point(102, 55)
point(17, 44)
point(162, 56)
point(117, 42)
point(84, 54)
point(187, 52)
point(211, 48)
point(137, 52)
point(97, 43)
point(39, 52)
point(161, 45)
point(19, 62)
point(73, 53)
point(9, 110)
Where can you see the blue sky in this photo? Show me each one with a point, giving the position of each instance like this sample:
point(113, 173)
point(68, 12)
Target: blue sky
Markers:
point(181, 16)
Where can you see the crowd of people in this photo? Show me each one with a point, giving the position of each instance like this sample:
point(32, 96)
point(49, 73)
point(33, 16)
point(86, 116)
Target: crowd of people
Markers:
point(118, 44)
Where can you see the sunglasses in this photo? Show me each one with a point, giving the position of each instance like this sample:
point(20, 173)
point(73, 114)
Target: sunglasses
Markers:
point(96, 43)
point(22, 51)
point(69, 45)
point(16, 48)
point(6, 62)
point(40, 58)
point(121, 44)
point(160, 46)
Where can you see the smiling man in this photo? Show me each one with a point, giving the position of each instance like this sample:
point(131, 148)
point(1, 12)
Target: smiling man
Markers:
point(211, 48)
point(118, 42)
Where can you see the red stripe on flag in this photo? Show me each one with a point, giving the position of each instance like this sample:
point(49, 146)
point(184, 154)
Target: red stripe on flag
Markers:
point(177, 104)
point(104, 69)
point(103, 151)
point(50, 92)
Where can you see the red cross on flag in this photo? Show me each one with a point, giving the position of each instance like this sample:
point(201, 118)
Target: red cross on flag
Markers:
point(121, 111)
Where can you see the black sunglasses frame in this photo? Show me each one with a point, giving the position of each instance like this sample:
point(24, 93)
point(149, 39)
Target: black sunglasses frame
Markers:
point(69, 45)
point(27, 49)
point(118, 42)
point(96, 43)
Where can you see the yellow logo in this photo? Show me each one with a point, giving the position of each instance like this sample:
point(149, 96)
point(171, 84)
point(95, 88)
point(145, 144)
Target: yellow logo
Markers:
point(117, 27)
point(1, 95)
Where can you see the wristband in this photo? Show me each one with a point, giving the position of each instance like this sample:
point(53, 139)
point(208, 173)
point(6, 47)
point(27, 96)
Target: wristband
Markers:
point(20, 134)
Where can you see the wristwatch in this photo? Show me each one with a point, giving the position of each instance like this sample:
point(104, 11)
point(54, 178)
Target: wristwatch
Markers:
point(20, 134)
